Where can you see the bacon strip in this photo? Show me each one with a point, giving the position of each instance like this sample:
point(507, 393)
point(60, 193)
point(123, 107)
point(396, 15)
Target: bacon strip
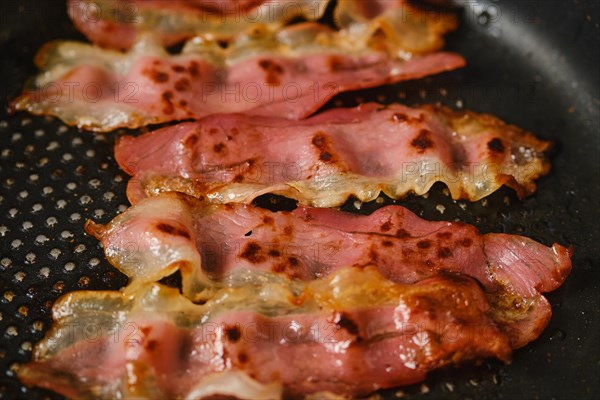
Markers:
point(323, 160)
point(234, 245)
point(398, 21)
point(290, 73)
point(117, 23)
point(350, 334)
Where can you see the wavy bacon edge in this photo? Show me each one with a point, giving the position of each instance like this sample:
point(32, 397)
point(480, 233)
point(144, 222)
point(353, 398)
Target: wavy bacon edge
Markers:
point(515, 270)
point(380, 48)
point(117, 23)
point(512, 157)
point(457, 332)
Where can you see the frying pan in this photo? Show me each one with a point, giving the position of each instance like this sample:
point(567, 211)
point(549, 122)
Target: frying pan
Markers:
point(532, 63)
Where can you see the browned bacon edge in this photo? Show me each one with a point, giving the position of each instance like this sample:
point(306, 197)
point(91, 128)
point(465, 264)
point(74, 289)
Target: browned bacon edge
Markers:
point(117, 23)
point(323, 160)
point(349, 334)
point(233, 245)
point(290, 72)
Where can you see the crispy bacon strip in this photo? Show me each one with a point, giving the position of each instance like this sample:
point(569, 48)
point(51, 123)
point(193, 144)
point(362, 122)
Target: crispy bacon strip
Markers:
point(234, 245)
point(117, 23)
point(350, 334)
point(323, 160)
point(290, 73)
point(398, 21)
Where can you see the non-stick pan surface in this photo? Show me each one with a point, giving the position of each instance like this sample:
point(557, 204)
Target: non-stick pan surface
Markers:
point(532, 63)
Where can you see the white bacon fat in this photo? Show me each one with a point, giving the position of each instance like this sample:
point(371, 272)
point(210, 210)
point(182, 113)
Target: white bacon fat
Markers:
point(235, 245)
point(290, 72)
point(323, 160)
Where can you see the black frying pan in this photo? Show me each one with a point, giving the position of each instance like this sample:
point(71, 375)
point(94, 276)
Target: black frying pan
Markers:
point(532, 63)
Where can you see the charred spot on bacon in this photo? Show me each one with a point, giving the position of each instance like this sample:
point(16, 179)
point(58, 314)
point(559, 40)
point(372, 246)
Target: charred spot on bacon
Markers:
point(117, 23)
point(323, 160)
point(312, 243)
point(290, 72)
point(310, 302)
point(350, 333)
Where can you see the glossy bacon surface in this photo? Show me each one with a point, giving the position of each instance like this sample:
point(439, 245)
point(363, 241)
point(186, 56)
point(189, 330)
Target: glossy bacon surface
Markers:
point(234, 245)
point(323, 160)
point(349, 334)
point(118, 23)
point(290, 72)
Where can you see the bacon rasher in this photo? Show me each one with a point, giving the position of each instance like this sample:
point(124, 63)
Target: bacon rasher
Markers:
point(118, 23)
point(323, 160)
point(290, 72)
point(234, 245)
point(349, 334)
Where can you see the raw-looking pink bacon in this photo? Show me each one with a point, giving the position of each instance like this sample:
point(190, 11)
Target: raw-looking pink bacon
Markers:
point(290, 72)
point(118, 23)
point(323, 160)
point(349, 334)
point(232, 245)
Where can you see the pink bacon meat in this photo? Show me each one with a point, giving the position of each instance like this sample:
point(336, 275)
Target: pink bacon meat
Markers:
point(233, 245)
point(350, 334)
point(118, 23)
point(290, 72)
point(339, 153)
